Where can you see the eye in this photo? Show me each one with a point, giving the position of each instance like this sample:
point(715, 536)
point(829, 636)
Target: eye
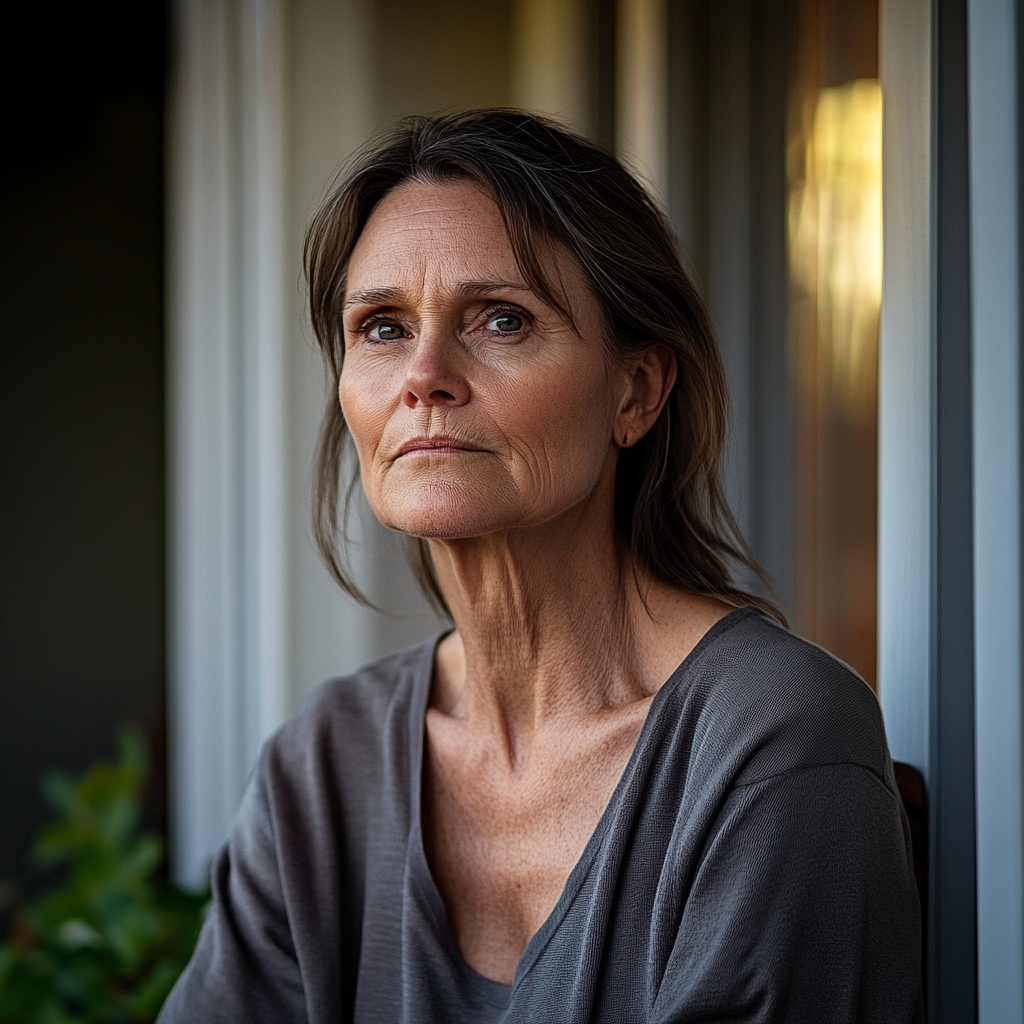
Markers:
point(505, 323)
point(387, 332)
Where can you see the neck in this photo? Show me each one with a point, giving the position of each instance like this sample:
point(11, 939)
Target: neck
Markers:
point(551, 628)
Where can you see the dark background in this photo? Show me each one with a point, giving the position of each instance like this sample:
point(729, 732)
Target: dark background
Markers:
point(81, 399)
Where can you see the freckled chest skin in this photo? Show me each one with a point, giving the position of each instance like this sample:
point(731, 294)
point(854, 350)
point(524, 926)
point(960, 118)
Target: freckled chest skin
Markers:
point(486, 424)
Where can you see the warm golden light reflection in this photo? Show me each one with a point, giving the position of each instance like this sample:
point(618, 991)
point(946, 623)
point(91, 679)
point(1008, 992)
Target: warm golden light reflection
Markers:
point(835, 252)
point(835, 226)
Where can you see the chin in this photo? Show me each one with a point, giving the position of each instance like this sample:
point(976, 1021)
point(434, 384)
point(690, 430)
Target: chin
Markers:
point(445, 512)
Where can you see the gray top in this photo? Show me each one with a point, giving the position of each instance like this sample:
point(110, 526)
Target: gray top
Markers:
point(753, 864)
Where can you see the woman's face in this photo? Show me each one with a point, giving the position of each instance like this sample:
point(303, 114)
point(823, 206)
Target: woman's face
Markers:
point(473, 405)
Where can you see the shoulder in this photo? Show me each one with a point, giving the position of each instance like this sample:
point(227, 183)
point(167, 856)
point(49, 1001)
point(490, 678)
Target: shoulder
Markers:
point(345, 721)
point(776, 702)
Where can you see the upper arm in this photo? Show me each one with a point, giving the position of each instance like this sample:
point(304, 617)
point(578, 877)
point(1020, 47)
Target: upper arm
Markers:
point(803, 907)
point(244, 968)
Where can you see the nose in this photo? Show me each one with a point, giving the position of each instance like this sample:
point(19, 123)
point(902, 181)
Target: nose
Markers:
point(434, 375)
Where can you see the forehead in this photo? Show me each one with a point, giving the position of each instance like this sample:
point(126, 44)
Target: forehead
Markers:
point(424, 227)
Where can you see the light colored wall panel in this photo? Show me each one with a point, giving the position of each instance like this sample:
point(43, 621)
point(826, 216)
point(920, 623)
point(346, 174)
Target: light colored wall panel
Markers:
point(641, 104)
point(905, 383)
point(550, 60)
point(228, 643)
point(993, 35)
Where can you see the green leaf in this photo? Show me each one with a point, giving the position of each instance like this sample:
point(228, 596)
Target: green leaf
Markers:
point(107, 942)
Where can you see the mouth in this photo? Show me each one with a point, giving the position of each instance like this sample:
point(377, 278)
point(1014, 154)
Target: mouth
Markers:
point(436, 444)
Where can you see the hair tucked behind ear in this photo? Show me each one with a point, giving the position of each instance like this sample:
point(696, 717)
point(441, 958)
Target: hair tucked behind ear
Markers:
point(670, 507)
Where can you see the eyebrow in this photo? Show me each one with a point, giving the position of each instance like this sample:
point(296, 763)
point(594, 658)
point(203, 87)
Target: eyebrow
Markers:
point(467, 289)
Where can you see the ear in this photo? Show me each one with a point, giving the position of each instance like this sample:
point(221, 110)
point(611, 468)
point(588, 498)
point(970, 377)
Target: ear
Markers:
point(650, 382)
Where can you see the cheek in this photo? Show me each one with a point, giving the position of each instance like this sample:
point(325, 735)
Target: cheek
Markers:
point(564, 427)
point(365, 406)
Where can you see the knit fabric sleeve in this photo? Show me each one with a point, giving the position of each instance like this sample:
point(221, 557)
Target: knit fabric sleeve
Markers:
point(802, 908)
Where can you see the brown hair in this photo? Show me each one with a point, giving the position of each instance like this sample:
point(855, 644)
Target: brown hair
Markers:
point(550, 184)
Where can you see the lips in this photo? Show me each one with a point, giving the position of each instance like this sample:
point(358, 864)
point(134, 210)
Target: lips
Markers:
point(437, 444)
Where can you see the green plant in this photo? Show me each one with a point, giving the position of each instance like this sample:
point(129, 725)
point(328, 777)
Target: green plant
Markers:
point(106, 942)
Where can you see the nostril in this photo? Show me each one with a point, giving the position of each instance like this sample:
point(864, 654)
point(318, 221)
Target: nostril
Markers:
point(435, 397)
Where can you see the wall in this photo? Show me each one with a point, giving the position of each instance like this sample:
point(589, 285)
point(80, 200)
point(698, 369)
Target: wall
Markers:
point(81, 403)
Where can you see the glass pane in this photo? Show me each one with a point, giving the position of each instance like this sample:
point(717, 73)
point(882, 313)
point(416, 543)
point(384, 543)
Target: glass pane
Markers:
point(835, 265)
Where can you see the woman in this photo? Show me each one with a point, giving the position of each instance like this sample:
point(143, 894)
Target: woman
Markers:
point(619, 790)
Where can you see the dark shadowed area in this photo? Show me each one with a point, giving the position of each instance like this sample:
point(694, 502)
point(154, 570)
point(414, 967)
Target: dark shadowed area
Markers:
point(81, 399)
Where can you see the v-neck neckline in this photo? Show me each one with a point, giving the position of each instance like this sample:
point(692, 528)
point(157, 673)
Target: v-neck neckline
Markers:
point(498, 991)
